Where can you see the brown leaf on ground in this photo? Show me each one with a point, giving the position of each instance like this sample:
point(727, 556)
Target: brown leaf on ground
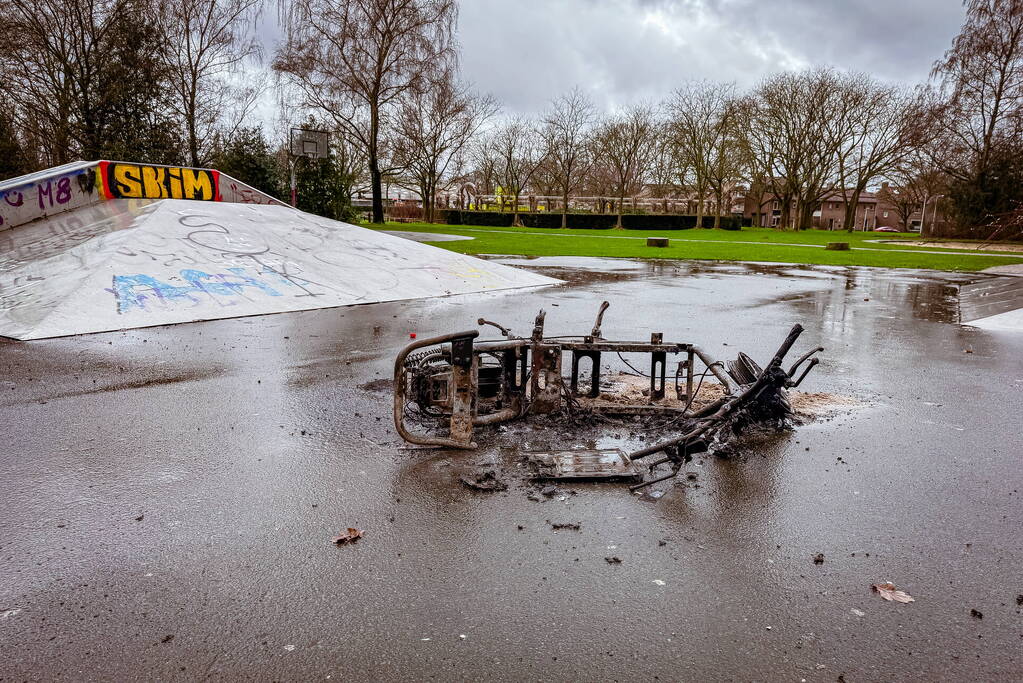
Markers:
point(887, 591)
point(350, 536)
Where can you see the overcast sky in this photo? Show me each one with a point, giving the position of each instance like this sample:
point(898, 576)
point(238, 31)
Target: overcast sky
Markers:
point(526, 51)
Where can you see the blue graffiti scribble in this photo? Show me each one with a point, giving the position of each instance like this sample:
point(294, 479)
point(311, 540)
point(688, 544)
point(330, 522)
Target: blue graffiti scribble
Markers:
point(225, 284)
point(136, 291)
point(141, 292)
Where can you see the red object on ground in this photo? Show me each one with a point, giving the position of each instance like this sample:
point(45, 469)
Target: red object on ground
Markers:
point(411, 335)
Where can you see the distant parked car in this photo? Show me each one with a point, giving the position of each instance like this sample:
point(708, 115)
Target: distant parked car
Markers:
point(886, 229)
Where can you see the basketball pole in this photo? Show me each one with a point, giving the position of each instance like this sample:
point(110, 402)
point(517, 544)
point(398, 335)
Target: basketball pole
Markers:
point(294, 182)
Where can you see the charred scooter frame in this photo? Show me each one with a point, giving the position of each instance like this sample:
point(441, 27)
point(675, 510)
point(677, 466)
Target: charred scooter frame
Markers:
point(458, 381)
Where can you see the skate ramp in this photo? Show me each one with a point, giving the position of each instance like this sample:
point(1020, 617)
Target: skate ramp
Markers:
point(72, 186)
point(126, 263)
point(994, 303)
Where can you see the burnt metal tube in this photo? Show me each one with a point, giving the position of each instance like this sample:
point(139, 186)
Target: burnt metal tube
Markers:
point(802, 359)
point(730, 405)
point(806, 372)
point(502, 415)
point(715, 368)
point(400, 387)
point(595, 333)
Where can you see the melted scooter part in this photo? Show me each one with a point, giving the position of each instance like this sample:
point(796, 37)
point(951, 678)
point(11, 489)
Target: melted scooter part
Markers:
point(445, 387)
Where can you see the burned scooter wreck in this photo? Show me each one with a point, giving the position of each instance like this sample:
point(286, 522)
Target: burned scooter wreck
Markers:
point(451, 384)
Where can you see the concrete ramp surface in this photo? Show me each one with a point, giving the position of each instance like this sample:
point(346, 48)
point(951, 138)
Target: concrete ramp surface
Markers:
point(126, 263)
point(995, 303)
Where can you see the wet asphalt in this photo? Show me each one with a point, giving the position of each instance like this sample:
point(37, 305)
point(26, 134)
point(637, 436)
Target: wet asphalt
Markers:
point(168, 498)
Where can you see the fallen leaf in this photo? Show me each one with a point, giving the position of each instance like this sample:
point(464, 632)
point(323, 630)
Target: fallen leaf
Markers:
point(887, 591)
point(659, 582)
point(351, 536)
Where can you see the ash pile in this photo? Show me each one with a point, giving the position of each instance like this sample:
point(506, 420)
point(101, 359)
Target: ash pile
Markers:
point(449, 389)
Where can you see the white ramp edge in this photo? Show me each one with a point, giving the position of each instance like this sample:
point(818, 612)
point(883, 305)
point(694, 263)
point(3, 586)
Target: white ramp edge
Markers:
point(72, 186)
point(1008, 321)
point(123, 264)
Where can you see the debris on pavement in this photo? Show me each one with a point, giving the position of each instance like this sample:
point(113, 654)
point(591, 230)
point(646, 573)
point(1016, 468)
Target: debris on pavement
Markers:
point(557, 526)
point(613, 560)
point(350, 536)
point(818, 558)
point(888, 591)
point(607, 463)
point(976, 614)
point(447, 386)
point(485, 480)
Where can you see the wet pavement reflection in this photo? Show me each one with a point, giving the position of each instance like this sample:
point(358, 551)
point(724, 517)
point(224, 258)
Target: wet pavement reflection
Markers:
point(169, 496)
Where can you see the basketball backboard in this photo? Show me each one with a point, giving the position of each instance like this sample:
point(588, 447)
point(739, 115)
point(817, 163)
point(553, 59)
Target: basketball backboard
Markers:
point(309, 143)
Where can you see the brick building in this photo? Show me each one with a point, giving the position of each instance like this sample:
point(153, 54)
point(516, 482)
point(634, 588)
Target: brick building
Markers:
point(872, 211)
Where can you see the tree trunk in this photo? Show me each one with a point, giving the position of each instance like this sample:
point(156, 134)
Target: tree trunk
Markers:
point(374, 165)
point(376, 184)
point(849, 215)
point(564, 211)
point(805, 216)
point(618, 222)
point(851, 207)
point(193, 136)
point(786, 212)
point(923, 217)
point(516, 221)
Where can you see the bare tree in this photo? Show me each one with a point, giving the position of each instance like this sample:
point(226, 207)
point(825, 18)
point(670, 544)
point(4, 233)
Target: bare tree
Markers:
point(88, 78)
point(53, 59)
point(207, 41)
point(793, 131)
point(667, 166)
point(622, 146)
point(905, 199)
point(916, 180)
point(484, 161)
point(976, 103)
point(520, 151)
point(352, 60)
point(566, 129)
point(982, 75)
point(703, 119)
point(433, 123)
point(875, 131)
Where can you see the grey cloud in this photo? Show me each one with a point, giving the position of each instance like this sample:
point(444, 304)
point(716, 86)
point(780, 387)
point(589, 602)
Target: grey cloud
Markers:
point(621, 50)
point(527, 52)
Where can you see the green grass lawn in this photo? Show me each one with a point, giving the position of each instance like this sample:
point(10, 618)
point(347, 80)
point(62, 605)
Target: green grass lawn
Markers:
point(748, 244)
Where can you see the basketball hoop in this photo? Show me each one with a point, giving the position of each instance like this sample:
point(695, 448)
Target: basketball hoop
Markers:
point(308, 144)
point(313, 144)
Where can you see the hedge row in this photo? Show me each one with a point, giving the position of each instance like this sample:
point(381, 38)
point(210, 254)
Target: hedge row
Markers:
point(593, 221)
